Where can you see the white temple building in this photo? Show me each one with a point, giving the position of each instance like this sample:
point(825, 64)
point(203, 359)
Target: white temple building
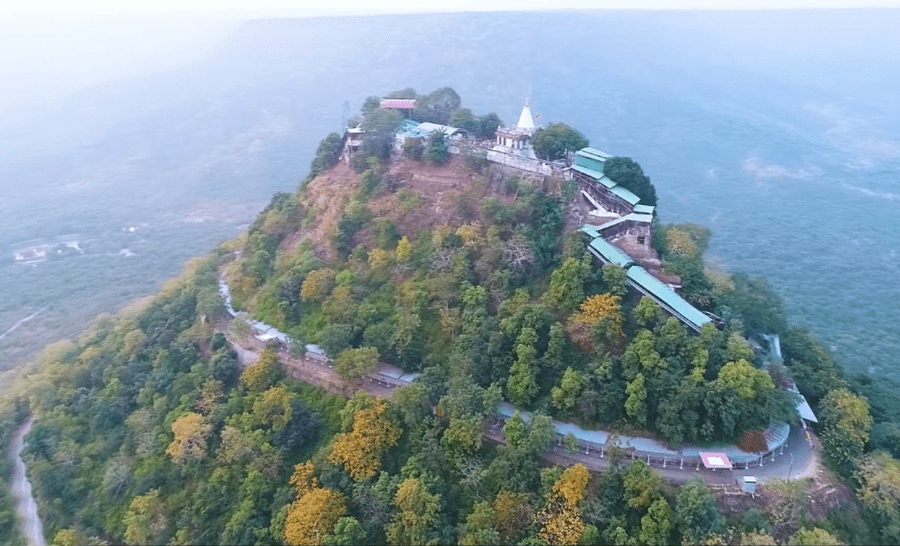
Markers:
point(517, 140)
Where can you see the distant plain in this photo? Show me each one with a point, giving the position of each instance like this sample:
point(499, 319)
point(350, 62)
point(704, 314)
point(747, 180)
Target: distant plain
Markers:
point(780, 131)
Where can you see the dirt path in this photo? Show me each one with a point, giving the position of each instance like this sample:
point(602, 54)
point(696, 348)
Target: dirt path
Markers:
point(308, 370)
point(26, 507)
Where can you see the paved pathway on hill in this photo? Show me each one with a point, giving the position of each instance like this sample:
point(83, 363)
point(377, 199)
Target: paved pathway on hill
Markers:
point(795, 459)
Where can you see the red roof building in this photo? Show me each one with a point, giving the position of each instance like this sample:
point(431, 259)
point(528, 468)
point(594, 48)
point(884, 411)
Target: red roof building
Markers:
point(398, 104)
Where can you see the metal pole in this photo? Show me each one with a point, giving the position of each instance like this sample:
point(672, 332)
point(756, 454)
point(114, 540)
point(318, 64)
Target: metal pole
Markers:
point(664, 462)
point(682, 463)
point(791, 469)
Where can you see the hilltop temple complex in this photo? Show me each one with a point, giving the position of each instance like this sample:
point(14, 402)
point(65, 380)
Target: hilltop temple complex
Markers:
point(620, 227)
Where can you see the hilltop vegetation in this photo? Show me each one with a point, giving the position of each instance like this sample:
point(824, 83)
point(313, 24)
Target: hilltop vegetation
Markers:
point(150, 432)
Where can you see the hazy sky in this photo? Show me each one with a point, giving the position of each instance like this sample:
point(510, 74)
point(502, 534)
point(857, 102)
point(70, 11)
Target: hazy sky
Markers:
point(49, 48)
point(264, 8)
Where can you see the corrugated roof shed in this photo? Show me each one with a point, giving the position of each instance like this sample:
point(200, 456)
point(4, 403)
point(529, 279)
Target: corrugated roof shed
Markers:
point(597, 175)
point(644, 209)
point(591, 230)
point(608, 253)
point(595, 152)
point(667, 297)
point(626, 195)
point(588, 159)
point(428, 127)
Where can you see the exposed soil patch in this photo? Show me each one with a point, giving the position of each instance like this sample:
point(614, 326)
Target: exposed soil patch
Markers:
point(416, 196)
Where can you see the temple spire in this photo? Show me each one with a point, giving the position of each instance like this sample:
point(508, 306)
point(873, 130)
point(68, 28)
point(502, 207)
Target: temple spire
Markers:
point(525, 119)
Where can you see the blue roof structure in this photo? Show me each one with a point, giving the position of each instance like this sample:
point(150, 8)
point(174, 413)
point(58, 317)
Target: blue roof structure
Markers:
point(666, 297)
point(626, 195)
point(608, 253)
point(591, 158)
point(587, 171)
point(644, 209)
point(627, 218)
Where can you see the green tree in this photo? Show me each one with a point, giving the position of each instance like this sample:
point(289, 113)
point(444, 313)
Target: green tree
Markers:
point(615, 279)
point(566, 290)
point(347, 532)
point(378, 137)
point(636, 403)
point(147, 519)
point(646, 313)
point(846, 420)
point(464, 119)
point(437, 150)
point(418, 511)
point(414, 148)
point(696, 514)
point(437, 106)
point(327, 154)
point(522, 385)
point(879, 492)
point(642, 485)
point(487, 126)
point(354, 363)
point(656, 525)
point(480, 527)
point(627, 173)
point(556, 141)
point(814, 537)
point(569, 389)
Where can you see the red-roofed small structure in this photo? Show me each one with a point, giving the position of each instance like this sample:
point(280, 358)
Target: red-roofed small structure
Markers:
point(398, 104)
point(715, 460)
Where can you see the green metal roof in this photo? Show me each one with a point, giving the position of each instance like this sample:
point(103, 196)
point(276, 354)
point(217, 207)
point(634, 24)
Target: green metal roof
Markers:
point(609, 253)
point(611, 223)
point(665, 295)
point(607, 182)
point(594, 152)
point(597, 175)
point(590, 162)
point(644, 209)
point(626, 195)
point(591, 230)
point(591, 158)
point(640, 217)
point(627, 218)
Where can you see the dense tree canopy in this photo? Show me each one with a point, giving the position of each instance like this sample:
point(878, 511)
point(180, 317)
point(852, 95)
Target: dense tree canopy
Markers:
point(148, 432)
point(627, 173)
point(556, 141)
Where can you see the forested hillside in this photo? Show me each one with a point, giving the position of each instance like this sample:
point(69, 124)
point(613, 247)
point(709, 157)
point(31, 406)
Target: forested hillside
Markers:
point(149, 431)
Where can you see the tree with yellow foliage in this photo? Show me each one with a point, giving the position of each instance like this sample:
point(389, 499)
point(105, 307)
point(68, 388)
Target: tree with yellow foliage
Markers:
point(571, 484)
point(471, 235)
point(146, 520)
point(274, 408)
point(379, 259)
point(264, 373)
point(190, 442)
point(404, 249)
point(315, 512)
point(514, 514)
point(562, 516)
point(359, 451)
point(418, 512)
point(317, 285)
point(598, 318)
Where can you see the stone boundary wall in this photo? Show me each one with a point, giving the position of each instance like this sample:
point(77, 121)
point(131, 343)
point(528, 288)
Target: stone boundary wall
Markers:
point(544, 168)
